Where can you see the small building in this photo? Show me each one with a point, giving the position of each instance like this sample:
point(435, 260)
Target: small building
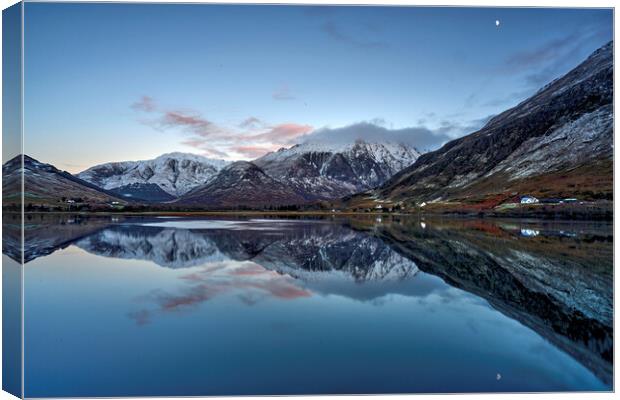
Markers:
point(70, 201)
point(379, 207)
point(423, 204)
point(528, 200)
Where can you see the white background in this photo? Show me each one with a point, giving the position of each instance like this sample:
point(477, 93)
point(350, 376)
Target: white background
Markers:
point(522, 3)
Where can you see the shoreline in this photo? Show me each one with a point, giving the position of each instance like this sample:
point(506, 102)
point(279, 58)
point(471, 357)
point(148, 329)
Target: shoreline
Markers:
point(454, 214)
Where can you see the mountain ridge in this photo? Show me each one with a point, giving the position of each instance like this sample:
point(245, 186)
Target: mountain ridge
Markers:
point(314, 171)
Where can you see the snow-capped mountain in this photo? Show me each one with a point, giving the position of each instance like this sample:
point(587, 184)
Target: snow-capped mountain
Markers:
point(329, 171)
point(161, 179)
point(302, 173)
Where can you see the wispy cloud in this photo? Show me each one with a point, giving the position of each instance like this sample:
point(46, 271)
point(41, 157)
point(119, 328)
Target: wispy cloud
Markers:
point(164, 119)
point(361, 34)
point(537, 66)
point(192, 122)
point(549, 51)
point(335, 32)
point(555, 57)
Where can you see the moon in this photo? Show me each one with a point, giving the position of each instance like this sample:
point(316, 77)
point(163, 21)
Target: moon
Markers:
point(497, 22)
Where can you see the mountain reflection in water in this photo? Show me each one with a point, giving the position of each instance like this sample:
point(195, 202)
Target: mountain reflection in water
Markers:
point(555, 278)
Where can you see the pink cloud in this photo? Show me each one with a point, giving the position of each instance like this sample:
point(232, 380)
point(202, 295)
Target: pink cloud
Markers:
point(251, 138)
point(195, 123)
point(284, 133)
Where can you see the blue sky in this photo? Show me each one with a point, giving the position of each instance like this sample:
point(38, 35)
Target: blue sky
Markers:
point(112, 82)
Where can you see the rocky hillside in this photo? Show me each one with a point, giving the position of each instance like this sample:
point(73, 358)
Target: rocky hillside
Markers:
point(241, 184)
point(556, 143)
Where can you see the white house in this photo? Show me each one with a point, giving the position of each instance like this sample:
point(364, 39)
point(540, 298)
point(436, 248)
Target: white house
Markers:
point(528, 200)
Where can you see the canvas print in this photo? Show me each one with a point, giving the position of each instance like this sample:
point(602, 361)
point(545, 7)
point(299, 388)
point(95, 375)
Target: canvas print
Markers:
point(205, 199)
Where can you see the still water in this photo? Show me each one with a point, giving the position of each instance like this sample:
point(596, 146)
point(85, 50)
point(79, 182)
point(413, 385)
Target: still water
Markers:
point(174, 306)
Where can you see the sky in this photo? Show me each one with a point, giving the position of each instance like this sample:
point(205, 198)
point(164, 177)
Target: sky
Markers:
point(113, 82)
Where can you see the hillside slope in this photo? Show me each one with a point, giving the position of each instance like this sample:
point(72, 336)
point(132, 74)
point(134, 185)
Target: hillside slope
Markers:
point(46, 185)
point(556, 143)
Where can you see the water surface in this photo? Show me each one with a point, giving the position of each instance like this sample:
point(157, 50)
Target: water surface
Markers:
point(174, 306)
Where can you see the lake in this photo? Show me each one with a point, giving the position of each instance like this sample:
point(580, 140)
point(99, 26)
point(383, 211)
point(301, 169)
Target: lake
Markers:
point(150, 306)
